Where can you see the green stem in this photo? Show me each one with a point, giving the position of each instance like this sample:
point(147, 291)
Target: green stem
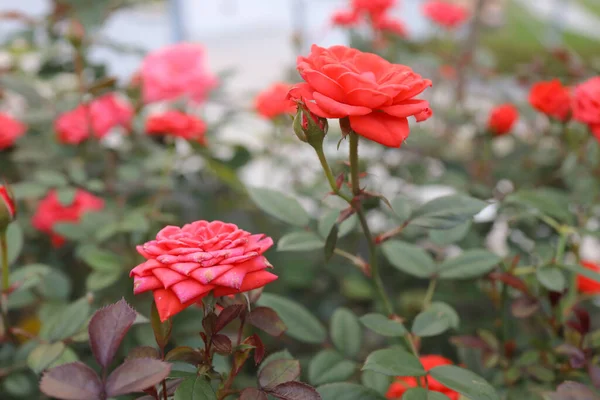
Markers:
point(560, 249)
point(5, 286)
point(354, 173)
point(329, 174)
point(429, 294)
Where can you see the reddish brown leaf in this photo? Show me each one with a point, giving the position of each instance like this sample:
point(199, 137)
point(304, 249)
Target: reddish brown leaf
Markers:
point(253, 394)
point(227, 315)
point(209, 323)
point(259, 348)
point(184, 353)
point(295, 391)
point(266, 319)
point(143, 352)
point(524, 307)
point(162, 330)
point(277, 372)
point(73, 381)
point(107, 329)
point(509, 280)
point(222, 344)
point(135, 375)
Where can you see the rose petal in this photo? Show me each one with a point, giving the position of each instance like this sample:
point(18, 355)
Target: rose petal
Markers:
point(167, 276)
point(167, 303)
point(143, 284)
point(321, 83)
point(337, 109)
point(188, 290)
point(406, 108)
point(206, 275)
point(381, 128)
point(252, 281)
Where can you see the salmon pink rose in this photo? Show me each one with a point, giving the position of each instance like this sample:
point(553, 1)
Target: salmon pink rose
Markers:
point(402, 384)
point(178, 124)
point(376, 95)
point(73, 127)
point(345, 18)
point(185, 264)
point(176, 71)
point(502, 118)
point(446, 15)
point(586, 105)
point(10, 131)
point(373, 8)
point(552, 99)
point(51, 211)
point(273, 101)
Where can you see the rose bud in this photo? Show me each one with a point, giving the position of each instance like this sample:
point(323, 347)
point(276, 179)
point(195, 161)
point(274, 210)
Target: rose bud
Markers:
point(8, 207)
point(310, 128)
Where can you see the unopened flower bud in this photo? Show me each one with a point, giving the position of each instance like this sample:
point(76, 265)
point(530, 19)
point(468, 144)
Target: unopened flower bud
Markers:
point(310, 128)
point(8, 208)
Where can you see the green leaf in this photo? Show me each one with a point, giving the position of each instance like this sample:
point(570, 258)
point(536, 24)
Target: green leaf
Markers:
point(444, 237)
point(70, 230)
point(382, 325)
point(546, 201)
point(327, 221)
point(98, 259)
point(300, 241)
point(278, 372)
point(66, 195)
point(279, 355)
point(302, 325)
point(329, 366)
point(14, 241)
point(394, 361)
point(50, 178)
point(348, 391)
point(346, 332)
point(469, 264)
point(99, 280)
point(402, 208)
point(376, 381)
point(447, 211)
point(331, 242)
point(68, 322)
point(56, 285)
point(280, 206)
point(195, 389)
point(29, 190)
point(552, 278)
point(29, 276)
point(67, 356)
point(409, 258)
point(43, 355)
point(423, 394)
point(588, 273)
point(464, 382)
point(438, 318)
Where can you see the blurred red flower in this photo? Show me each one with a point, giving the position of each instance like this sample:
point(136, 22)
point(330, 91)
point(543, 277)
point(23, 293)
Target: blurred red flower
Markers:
point(386, 24)
point(374, 8)
point(73, 127)
point(402, 384)
point(51, 211)
point(185, 264)
point(176, 71)
point(10, 130)
point(502, 118)
point(552, 99)
point(376, 95)
point(273, 102)
point(178, 124)
point(345, 18)
point(447, 15)
point(586, 105)
point(585, 284)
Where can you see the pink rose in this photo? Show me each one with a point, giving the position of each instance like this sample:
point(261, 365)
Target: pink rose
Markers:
point(176, 71)
point(73, 127)
point(108, 112)
point(586, 105)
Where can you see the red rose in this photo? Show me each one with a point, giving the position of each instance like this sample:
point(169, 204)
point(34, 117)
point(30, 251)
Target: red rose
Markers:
point(586, 105)
point(587, 285)
point(386, 24)
point(373, 8)
point(445, 14)
point(273, 102)
point(402, 384)
point(552, 99)
point(73, 127)
point(108, 112)
point(10, 131)
point(51, 211)
point(178, 124)
point(176, 71)
point(502, 118)
point(185, 264)
point(345, 18)
point(376, 95)
point(8, 208)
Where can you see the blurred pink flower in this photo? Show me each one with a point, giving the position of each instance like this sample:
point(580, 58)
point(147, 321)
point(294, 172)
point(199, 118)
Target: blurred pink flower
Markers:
point(107, 112)
point(10, 130)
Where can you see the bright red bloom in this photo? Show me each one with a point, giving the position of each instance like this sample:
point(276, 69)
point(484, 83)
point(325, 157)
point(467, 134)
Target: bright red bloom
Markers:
point(10, 130)
point(502, 118)
point(273, 102)
point(447, 15)
point(345, 18)
point(374, 8)
point(402, 384)
point(108, 112)
point(377, 96)
point(587, 285)
point(51, 211)
point(176, 71)
point(73, 127)
point(586, 105)
point(386, 24)
point(552, 99)
point(178, 124)
point(185, 264)
point(8, 207)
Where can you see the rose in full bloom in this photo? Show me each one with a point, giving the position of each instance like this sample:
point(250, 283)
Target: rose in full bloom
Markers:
point(502, 118)
point(10, 131)
point(586, 105)
point(552, 99)
point(8, 207)
point(446, 15)
point(185, 264)
point(273, 101)
point(108, 112)
point(402, 384)
point(51, 211)
point(176, 71)
point(73, 127)
point(585, 284)
point(346, 18)
point(377, 96)
point(178, 124)
point(384, 23)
